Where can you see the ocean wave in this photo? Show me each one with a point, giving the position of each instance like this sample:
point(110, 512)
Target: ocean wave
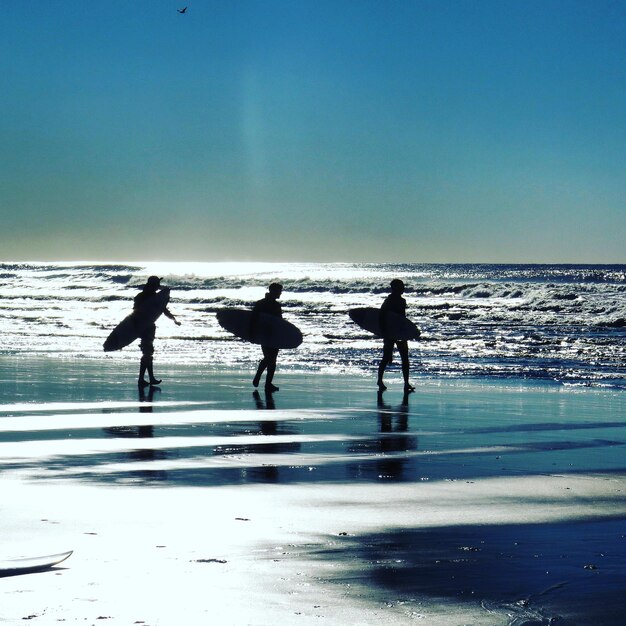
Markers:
point(103, 268)
point(618, 323)
point(563, 322)
point(49, 297)
point(120, 278)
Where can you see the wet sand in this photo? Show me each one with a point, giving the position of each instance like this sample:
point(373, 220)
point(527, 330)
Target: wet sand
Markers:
point(469, 502)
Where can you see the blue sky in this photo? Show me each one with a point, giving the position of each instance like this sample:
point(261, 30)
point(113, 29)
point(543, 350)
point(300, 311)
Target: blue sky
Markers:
point(313, 130)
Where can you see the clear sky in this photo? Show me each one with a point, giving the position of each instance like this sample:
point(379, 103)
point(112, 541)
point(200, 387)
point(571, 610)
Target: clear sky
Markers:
point(313, 130)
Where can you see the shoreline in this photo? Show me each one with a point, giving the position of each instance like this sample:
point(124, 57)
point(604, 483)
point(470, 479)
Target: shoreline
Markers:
point(109, 370)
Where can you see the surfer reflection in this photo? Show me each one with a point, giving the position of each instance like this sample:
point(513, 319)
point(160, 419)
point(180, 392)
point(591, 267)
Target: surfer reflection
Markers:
point(394, 440)
point(145, 430)
point(270, 430)
point(141, 431)
point(270, 306)
point(147, 398)
point(395, 303)
point(269, 403)
point(383, 454)
point(144, 451)
point(142, 303)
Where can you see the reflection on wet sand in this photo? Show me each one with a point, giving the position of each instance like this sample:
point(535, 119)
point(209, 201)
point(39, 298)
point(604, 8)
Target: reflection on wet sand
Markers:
point(394, 422)
point(268, 431)
point(269, 428)
point(390, 446)
point(267, 403)
point(145, 431)
point(374, 441)
point(145, 406)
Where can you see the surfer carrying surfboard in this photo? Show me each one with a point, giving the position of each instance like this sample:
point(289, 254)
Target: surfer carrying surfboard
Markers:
point(270, 306)
point(143, 306)
point(394, 303)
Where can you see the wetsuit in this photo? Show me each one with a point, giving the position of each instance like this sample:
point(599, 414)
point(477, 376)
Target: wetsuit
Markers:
point(269, 306)
point(395, 304)
point(148, 331)
point(146, 334)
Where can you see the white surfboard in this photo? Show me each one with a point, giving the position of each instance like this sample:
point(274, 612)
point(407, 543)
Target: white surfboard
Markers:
point(30, 565)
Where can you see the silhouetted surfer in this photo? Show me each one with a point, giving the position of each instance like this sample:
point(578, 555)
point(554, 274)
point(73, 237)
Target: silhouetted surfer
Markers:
point(141, 302)
point(270, 306)
point(395, 303)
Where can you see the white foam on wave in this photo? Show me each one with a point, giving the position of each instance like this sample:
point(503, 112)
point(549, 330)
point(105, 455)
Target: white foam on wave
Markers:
point(68, 309)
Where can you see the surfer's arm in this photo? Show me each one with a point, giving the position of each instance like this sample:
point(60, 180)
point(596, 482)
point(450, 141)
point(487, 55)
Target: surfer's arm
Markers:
point(167, 313)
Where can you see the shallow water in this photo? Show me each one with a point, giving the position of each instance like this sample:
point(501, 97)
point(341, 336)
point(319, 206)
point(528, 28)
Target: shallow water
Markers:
point(207, 427)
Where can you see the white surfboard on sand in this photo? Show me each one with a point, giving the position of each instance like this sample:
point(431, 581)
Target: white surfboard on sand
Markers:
point(131, 327)
point(30, 565)
point(269, 330)
point(398, 326)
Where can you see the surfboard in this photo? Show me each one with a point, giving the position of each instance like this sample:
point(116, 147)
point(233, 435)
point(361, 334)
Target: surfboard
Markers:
point(270, 330)
point(131, 327)
point(15, 567)
point(398, 326)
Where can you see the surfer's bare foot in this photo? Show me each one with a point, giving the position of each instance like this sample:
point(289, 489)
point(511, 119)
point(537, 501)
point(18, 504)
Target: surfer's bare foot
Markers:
point(154, 381)
point(269, 387)
point(408, 388)
point(382, 386)
point(255, 381)
point(142, 383)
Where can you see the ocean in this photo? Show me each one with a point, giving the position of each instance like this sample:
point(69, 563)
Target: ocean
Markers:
point(562, 323)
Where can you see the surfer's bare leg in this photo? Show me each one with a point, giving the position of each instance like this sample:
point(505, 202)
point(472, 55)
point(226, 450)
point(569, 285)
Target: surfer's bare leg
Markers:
point(381, 370)
point(147, 350)
point(153, 380)
point(386, 360)
point(259, 372)
point(271, 369)
point(403, 349)
point(143, 365)
point(271, 354)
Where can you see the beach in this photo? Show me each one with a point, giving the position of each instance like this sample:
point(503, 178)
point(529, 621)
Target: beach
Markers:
point(471, 501)
point(403, 222)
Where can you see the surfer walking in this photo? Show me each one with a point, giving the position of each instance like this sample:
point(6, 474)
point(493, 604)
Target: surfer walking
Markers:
point(142, 302)
point(270, 306)
point(394, 303)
